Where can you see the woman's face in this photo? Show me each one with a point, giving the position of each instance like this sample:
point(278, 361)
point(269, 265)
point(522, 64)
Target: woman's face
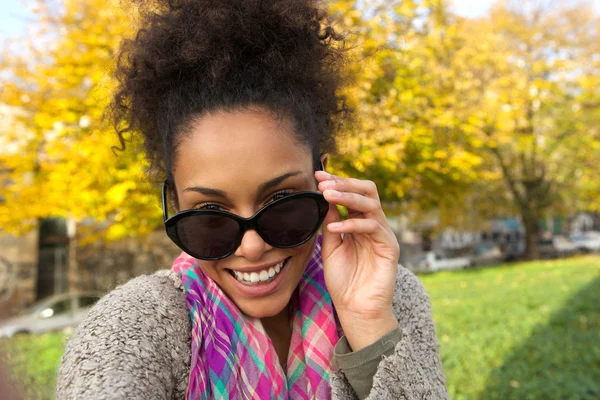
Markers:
point(238, 162)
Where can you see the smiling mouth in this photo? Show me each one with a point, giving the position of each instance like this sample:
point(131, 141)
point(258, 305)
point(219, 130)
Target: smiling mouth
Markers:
point(259, 277)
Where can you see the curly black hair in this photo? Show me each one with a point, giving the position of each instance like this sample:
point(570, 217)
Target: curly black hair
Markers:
point(192, 57)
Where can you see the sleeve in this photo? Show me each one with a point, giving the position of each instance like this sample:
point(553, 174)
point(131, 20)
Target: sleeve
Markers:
point(413, 369)
point(134, 344)
point(360, 366)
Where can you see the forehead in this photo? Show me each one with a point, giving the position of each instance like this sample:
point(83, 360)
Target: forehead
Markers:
point(227, 149)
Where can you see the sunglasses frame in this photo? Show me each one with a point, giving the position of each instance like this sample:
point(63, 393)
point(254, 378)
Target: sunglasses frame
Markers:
point(244, 224)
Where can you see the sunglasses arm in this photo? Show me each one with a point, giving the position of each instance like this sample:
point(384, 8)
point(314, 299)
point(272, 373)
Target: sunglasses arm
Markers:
point(164, 201)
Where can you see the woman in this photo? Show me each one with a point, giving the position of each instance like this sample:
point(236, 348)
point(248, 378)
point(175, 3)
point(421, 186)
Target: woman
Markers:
point(237, 105)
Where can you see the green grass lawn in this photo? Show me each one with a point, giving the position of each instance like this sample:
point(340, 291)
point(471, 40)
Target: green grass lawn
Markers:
point(521, 331)
point(32, 362)
point(524, 331)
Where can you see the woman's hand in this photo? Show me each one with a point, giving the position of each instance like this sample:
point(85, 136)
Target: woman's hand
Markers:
point(360, 267)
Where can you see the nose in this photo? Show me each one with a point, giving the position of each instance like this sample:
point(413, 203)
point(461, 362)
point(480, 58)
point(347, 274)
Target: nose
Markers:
point(252, 246)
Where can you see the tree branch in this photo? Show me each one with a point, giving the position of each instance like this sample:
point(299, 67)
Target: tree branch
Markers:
point(510, 180)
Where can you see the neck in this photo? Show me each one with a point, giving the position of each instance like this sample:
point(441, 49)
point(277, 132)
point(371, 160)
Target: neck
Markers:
point(277, 322)
point(279, 330)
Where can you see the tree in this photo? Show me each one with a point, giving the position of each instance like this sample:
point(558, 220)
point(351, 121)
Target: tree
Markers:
point(477, 117)
point(58, 159)
point(408, 138)
point(537, 62)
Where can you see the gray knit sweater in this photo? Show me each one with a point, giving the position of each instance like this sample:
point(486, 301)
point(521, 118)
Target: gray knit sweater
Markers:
point(135, 344)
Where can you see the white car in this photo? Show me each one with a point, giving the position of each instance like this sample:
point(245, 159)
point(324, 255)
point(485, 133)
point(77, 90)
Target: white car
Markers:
point(51, 314)
point(432, 261)
point(586, 241)
point(564, 246)
point(438, 262)
point(485, 254)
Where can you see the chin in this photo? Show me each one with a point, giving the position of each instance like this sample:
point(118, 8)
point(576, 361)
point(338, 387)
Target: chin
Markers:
point(264, 309)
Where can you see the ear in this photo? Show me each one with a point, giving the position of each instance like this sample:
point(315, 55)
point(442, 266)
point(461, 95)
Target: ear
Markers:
point(169, 196)
point(174, 201)
point(324, 159)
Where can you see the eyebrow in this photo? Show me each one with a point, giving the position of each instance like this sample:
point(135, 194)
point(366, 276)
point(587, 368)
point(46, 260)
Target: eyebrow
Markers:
point(276, 181)
point(263, 186)
point(206, 191)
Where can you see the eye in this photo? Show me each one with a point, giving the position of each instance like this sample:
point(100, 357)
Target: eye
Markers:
point(280, 195)
point(206, 206)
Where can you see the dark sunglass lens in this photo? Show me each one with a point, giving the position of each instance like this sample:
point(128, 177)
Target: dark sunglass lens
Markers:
point(289, 223)
point(208, 236)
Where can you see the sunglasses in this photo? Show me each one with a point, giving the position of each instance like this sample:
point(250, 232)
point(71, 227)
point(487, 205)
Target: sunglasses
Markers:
point(214, 234)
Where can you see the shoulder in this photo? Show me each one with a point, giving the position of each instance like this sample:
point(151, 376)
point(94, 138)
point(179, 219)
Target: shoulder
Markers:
point(163, 289)
point(154, 302)
point(136, 337)
point(149, 300)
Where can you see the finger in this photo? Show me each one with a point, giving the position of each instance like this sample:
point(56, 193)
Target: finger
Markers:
point(355, 202)
point(369, 227)
point(323, 176)
point(364, 187)
point(331, 240)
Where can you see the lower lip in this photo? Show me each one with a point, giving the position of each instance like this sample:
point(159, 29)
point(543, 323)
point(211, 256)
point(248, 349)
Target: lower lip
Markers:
point(261, 289)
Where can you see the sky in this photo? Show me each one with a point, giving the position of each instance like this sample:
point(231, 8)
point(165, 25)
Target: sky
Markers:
point(474, 8)
point(13, 18)
point(14, 14)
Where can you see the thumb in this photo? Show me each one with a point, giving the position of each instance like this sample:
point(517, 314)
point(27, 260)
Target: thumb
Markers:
point(331, 240)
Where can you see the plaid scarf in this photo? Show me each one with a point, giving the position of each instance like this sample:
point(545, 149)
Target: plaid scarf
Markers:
point(232, 356)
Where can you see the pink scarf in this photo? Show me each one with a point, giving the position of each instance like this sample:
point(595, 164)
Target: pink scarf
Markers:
point(232, 356)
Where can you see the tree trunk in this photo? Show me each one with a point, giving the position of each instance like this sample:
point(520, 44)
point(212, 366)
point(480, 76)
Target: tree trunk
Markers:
point(530, 223)
point(73, 270)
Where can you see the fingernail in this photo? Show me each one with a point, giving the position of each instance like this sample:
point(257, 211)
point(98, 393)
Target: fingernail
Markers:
point(332, 193)
point(335, 225)
point(327, 174)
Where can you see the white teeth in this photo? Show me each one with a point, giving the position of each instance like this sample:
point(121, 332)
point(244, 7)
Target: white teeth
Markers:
point(263, 276)
point(255, 277)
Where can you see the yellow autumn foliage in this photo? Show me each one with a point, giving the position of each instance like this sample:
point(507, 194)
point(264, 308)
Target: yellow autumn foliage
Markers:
point(462, 116)
point(60, 161)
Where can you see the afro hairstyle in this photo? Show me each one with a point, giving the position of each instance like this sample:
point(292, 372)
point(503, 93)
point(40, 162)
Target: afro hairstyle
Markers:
point(193, 57)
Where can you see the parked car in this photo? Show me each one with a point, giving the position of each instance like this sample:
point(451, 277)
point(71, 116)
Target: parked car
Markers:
point(546, 248)
point(438, 261)
point(432, 261)
point(51, 314)
point(417, 264)
point(513, 250)
point(587, 241)
point(563, 246)
point(485, 254)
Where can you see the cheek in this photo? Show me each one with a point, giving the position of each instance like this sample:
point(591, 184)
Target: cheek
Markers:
point(210, 268)
point(303, 254)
